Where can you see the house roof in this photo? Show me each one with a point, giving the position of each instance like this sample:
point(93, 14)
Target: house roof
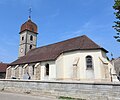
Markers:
point(52, 51)
point(3, 67)
point(29, 25)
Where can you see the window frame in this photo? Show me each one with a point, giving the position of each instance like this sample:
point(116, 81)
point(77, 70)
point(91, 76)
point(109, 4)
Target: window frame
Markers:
point(22, 38)
point(30, 47)
point(33, 69)
point(31, 38)
point(47, 67)
point(89, 62)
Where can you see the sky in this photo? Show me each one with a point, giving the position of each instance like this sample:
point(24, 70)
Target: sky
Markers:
point(57, 20)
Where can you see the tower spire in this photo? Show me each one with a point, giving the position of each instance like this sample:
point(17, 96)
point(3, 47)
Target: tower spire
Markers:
point(30, 11)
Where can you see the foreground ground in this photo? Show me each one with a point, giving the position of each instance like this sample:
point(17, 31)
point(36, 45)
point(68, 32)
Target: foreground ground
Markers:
point(14, 96)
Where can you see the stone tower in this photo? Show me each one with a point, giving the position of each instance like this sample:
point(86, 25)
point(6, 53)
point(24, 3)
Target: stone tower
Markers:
point(28, 37)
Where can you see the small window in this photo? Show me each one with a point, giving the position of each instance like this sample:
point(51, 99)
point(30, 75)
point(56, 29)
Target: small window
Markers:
point(22, 38)
point(33, 69)
point(30, 46)
point(31, 38)
point(89, 62)
point(119, 73)
point(47, 69)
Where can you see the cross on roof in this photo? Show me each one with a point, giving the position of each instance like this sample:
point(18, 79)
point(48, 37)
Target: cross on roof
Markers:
point(30, 11)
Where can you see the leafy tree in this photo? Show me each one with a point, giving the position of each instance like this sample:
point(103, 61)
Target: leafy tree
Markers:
point(117, 22)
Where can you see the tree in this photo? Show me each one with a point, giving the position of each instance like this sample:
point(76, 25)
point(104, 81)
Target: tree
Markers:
point(117, 22)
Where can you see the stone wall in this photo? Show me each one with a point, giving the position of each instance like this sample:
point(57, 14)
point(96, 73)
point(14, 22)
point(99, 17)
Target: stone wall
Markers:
point(88, 91)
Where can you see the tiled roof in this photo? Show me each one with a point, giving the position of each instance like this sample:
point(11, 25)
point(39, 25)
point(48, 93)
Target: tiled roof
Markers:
point(52, 51)
point(3, 67)
point(30, 26)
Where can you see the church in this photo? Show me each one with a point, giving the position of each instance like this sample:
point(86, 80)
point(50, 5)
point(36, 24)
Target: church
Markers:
point(75, 59)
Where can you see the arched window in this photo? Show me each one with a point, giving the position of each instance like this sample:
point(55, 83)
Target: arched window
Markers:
point(89, 62)
point(31, 38)
point(22, 38)
point(47, 69)
point(30, 46)
point(33, 69)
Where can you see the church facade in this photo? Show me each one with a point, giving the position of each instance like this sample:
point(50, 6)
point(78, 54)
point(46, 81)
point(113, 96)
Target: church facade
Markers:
point(78, 59)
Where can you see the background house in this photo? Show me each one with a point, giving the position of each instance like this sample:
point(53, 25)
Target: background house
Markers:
point(116, 63)
point(3, 67)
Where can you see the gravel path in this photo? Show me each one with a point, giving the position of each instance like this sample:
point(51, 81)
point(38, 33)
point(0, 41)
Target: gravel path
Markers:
point(14, 96)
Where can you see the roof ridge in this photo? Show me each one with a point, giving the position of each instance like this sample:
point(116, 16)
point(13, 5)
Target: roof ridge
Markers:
point(62, 41)
point(65, 41)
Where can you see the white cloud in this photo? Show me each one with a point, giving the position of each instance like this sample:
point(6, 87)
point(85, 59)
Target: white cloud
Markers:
point(54, 15)
point(57, 13)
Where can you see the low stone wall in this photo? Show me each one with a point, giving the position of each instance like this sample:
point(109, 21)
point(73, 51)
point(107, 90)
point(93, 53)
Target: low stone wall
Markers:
point(88, 91)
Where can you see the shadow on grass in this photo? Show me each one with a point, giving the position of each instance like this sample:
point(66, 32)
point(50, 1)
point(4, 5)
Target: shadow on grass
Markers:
point(69, 98)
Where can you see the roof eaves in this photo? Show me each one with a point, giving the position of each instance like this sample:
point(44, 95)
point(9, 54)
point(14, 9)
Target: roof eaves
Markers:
point(27, 30)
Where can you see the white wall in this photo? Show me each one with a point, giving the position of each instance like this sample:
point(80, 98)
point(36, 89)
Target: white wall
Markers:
point(68, 63)
point(64, 65)
point(52, 70)
point(59, 63)
point(34, 38)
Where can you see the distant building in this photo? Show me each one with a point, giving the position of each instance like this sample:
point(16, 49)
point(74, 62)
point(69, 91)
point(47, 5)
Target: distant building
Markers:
point(3, 67)
point(78, 58)
point(116, 63)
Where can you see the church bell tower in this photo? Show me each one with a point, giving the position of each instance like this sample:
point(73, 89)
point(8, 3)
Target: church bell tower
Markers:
point(28, 37)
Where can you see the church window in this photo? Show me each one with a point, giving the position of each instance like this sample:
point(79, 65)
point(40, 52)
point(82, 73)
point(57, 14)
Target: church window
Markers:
point(31, 38)
point(89, 62)
point(30, 46)
point(22, 38)
point(33, 69)
point(47, 69)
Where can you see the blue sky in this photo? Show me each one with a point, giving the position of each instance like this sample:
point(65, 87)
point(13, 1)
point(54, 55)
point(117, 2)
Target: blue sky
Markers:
point(57, 20)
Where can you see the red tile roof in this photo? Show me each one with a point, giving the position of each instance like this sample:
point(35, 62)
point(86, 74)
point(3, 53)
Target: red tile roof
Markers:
point(52, 51)
point(3, 67)
point(30, 26)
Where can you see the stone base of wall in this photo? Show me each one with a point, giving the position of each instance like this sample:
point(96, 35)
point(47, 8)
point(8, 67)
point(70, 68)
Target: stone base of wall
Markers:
point(88, 91)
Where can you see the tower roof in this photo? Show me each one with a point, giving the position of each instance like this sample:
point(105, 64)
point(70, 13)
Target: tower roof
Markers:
point(29, 25)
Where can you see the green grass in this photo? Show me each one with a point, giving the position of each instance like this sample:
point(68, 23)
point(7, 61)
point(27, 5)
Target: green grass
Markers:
point(69, 98)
